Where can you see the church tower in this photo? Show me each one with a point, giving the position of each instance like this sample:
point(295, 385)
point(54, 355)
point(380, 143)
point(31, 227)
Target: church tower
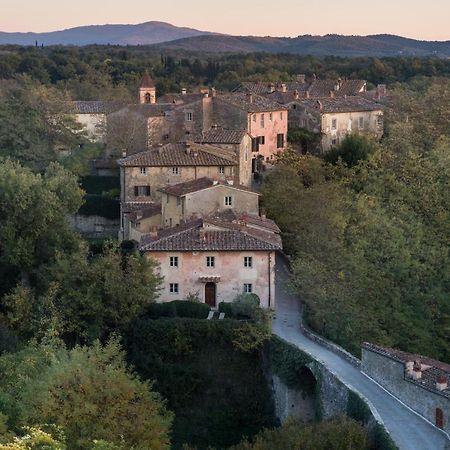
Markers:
point(147, 90)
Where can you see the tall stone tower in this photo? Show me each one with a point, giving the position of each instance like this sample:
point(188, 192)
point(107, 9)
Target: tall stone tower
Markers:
point(147, 90)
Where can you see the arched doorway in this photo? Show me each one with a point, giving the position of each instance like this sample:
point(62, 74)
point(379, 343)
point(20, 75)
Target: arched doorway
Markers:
point(439, 418)
point(210, 294)
point(303, 401)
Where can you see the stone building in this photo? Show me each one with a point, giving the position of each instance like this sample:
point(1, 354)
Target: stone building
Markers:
point(216, 258)
point(147, 90)
point(420, 382)
point(336, 117)
point(265, 121)
point(204, 196)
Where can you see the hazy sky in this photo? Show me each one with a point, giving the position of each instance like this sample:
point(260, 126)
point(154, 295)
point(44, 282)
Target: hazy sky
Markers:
point(410, 18)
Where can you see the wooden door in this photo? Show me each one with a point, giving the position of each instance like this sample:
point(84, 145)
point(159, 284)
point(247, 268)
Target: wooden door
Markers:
point(210, 294)
point(439, 418)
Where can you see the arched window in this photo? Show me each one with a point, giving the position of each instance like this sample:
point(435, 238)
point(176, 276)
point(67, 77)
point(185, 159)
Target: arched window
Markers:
point(148, 98)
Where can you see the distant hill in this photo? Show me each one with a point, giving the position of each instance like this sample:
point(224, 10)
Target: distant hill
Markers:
point(376, 45)
point(168, 36)
point(141, 34)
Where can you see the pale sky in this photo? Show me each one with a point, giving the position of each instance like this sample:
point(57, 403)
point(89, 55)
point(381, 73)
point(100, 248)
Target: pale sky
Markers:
point(428, 20)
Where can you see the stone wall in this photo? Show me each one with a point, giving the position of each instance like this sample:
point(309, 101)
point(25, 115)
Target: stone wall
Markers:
point(390, 374)
point(95, 227)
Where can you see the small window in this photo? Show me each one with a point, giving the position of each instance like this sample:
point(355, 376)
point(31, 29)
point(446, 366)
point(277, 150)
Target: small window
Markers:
point(254, 117)
point(189, 116)
point(148, 98)
point(246, 154)
point(210, 261)
point(333, 141)
point(143, 170)
point(271, 117)
point(294, 106)
point(175, 170)
point(303, 123)
point(255, 144)
point(222, 169)
point(334, 124)
point(281, 115)
point(248, 261)
point(173, 261)
point(228, 200)
point(174, 288)
point(262, 121)
point(280, 140)
point(361, 123)
point(262, 140)
point(248, 288)
point(142, 191)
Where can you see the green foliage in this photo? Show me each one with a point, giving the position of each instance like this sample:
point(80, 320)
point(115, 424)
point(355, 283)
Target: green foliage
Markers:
point(88, 392)
point(82, 298)
point(79, 162)
point(218, 393)
point(308, 140)
point(354, 148)
point(287, 361)
point(35, 439)
point(381, 439)
point(246, 306)
point(99, 205)
point(338, 434)
point(96, 185)
point(178, 308)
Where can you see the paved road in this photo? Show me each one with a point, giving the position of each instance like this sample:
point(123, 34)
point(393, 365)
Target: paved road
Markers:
point(409, 431)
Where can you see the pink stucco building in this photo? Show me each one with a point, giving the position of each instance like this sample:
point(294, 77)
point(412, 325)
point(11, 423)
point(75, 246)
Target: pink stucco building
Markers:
point(217, 258)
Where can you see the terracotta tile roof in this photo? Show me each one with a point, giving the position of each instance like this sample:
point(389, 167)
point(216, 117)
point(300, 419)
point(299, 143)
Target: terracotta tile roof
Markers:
point(432, 369)
point(146, 212)
point(150, 110)
point(322, 88)
point(231, 218)
point(341, 104)
point(179, 155)
point(250, 102)
point(262, 88)
point(94, 107)
point(194, 236)
point(180, 99)
point(200, 184)
point(134, 206)
point(147, 81)
point(222, 136)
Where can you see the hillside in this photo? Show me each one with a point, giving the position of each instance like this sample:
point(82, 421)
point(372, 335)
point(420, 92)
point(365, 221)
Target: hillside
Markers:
point(140, 34)
point(377, 45)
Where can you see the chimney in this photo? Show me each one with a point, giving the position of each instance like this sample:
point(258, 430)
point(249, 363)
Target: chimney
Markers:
point(301, 78)
point(154, 232)
point(417, 371)
point(124, 153)
point(188, 148)
point(205, 94)
point(320, 105)
point(271, 88)
point(441, 383)
point(183, 91)
point(202, 234)
point(249, 97)
point(160, 149)
point(296, 95)
point(338, 84)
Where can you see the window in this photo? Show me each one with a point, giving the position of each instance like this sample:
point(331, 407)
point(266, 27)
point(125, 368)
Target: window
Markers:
point(248, 288)
point(222, 169)
point(333, 141)
point(334, 124)
point(173, 288)
point(270, 117)
point(262, 140)
point(173, 261)
point(361, 123)
point(303, 123)
point(142, 191)
point(281, 115)
point(175, 170)
point(280, 140)
point(262, 120)
point(248, 261)
point(255, 144)
point(143, 171)
point(178, 201)
point(148, 98)
point(210, 261)
point(254, 117)
point(189, 116)
point(228, 200)
point(294, 106)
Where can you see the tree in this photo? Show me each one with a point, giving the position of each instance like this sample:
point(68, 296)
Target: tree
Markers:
point(354, 148)
point(89, 393)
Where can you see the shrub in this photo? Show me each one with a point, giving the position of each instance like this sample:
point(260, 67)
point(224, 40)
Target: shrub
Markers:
point(246, 306)
point(381, 439)
point(178, 308)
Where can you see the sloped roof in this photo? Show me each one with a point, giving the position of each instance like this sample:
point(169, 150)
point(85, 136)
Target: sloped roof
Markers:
point(146, 212)
point(322, 88)
point(94, 107)
point(341, 104)
point(180, 99)
point(200, 184)
point(222, 136)
point(179, 155)
point(250, 102)
point(147, 81)
point(195, 237)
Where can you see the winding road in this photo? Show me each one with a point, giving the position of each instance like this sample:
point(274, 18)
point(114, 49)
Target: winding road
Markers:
point(409, 431)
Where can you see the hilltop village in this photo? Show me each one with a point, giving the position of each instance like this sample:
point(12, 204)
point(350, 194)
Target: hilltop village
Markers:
point(190, 165)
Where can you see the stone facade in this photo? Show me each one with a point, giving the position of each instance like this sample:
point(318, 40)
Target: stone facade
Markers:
point(390, 370)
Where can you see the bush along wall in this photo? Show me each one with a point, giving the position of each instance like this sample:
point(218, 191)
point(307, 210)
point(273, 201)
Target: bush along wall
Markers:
point(218, 393)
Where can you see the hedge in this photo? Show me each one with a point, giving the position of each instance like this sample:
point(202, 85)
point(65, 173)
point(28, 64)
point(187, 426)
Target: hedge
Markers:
point(178, 308)
point(97, 185)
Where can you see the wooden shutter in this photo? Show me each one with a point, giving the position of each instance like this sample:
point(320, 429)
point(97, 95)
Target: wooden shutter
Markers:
point(147, 191)
point(136, 191)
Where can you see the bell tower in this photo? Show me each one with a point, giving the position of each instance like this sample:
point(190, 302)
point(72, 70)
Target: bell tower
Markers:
point(147, 90)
